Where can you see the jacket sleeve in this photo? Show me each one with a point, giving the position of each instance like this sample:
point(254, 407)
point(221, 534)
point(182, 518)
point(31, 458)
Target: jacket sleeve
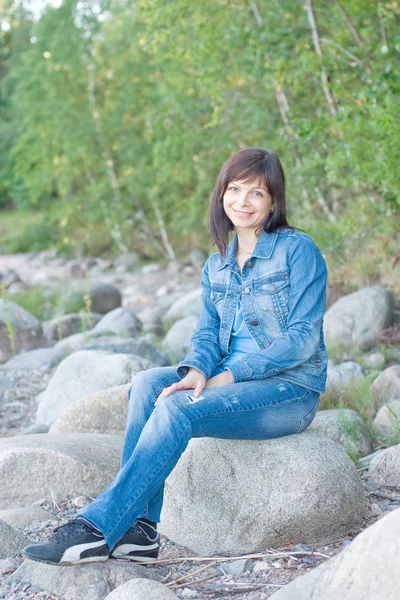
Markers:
point(306, 305)
point(205, 350)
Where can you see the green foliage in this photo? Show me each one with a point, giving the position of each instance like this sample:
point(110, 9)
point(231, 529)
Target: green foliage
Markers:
point(117, 117)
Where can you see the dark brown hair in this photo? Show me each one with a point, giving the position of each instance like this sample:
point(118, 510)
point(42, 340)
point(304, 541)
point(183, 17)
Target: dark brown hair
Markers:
point(247, 165)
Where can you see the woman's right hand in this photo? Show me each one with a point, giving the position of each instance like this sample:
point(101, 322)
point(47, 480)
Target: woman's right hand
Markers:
point(192, 380)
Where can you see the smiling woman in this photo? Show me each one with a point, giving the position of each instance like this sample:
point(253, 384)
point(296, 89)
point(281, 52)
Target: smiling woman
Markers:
point(257, 363)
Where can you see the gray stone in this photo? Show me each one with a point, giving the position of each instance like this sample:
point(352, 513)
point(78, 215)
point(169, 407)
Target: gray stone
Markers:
point(240, 496)
point(367, 569)
point(386, 387)
point(41, 358)
point(177, 340)
point(196, 258)
point(36, 428)
point(104, 298)
point(103, 412)
point(24, 516)
point(86, 582)
point(340, 376)
point(11, 541)
point(142, 589)
point(387, 421)
point(83, 373)
point(19, 330)
point(65, 325)
point(187, 306)
point(72, 343)
point(121, 321)
point(345, 427)
point(384, 469)
point(56, 466)
point(347, 326)
point(375, 360)
point(138, 346)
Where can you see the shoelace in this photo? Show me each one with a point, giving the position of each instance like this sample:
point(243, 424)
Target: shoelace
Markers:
point(65, 532)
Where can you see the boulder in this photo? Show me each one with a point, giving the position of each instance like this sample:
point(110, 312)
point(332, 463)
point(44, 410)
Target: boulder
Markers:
point(83, 373)
point(367, 569)
point(85, 582)
point(142, 589)
point(386, 424)
point(344, 426)
point(11, 541)
point(384, 469)
point(103, 412)
point(26, 515)
point(104, 298)
point(345, 325)
point(56, 466)
point(187, 306)
point(374, 360)
point(177, 340)
point(65, 325)
point(386, 387)
point(41, 358)
point(120, 321)
point(340, 376)
point(242, 496)
point(19, 330)
point(139, 346)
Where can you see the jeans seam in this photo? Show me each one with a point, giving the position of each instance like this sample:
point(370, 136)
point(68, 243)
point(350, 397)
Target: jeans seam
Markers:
point(306, 415)
point(143, 488)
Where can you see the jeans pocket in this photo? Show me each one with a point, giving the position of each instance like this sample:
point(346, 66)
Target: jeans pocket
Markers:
point(308, 417)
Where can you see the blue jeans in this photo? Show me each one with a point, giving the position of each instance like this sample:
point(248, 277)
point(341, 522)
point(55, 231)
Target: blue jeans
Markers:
point(156, 436)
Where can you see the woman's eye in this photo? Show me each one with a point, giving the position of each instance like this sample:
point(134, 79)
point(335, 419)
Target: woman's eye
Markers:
point(233, 187)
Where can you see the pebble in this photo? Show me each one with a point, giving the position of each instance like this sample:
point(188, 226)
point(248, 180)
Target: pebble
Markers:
point(261, 566)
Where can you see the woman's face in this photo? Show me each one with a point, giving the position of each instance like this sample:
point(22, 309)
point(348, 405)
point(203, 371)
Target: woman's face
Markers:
point(247, 204)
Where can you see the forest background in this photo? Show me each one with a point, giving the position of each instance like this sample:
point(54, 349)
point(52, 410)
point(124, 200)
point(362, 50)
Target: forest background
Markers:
point(116, 117)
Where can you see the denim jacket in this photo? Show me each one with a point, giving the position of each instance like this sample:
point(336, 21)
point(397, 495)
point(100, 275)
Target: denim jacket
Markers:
point(283, 292)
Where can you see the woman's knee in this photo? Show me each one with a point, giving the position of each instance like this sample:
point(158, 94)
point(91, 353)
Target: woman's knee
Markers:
point(149, 382)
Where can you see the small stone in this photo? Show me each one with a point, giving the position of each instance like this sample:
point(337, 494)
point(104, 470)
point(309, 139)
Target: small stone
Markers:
point(8, 565)
point(375, 509)
point(292, 562)
point(261, 566)
point(80, 502)
point(235, 567)
point(187, 593)
point(277, 564)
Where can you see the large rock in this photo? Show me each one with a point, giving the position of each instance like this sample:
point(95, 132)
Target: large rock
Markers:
point(118, 345)
point(386, 424)
point(120, 321)
point(384, 469)
point(347, 326)
point(11, 541)
point(41, 358)
point(177, 340)
point(103, 412)
point(142, 589)
point(80, 582)
point(19, 330)
point(83, 373)
point(187, 306)
point(386, 387)
point(367, 569)
point(26, 515)
point(66, 325)
point(54, 466)
point(345, 427)
point(242, 496)
point(104, 298)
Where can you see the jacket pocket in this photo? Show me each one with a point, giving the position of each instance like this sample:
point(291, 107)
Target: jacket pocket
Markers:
point(271, 294)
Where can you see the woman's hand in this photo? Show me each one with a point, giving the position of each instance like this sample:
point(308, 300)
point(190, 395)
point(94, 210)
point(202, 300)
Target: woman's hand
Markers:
point(224, 378)
point(192, 380)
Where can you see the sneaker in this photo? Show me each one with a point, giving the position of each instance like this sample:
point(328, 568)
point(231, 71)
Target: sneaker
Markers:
point(140, 543)
point(75, 542)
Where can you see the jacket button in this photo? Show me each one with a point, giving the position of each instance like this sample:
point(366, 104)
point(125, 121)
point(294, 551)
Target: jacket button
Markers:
point(286, 276)
point(249, 264)
point(212, 297)
point(246, 291)
point(266, 344)
point(253, 322)
point(270, 287)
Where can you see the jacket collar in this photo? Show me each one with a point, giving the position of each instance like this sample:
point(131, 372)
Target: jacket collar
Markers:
point(263, 248)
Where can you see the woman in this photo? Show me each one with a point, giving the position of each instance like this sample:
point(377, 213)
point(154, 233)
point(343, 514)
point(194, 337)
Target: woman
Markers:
point(256, 368)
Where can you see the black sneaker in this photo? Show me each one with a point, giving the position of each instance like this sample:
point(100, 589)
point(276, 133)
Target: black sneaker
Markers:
point(75, 542)
point(140, 543)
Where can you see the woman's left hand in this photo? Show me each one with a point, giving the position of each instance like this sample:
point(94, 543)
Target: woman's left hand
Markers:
point(223, 378)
